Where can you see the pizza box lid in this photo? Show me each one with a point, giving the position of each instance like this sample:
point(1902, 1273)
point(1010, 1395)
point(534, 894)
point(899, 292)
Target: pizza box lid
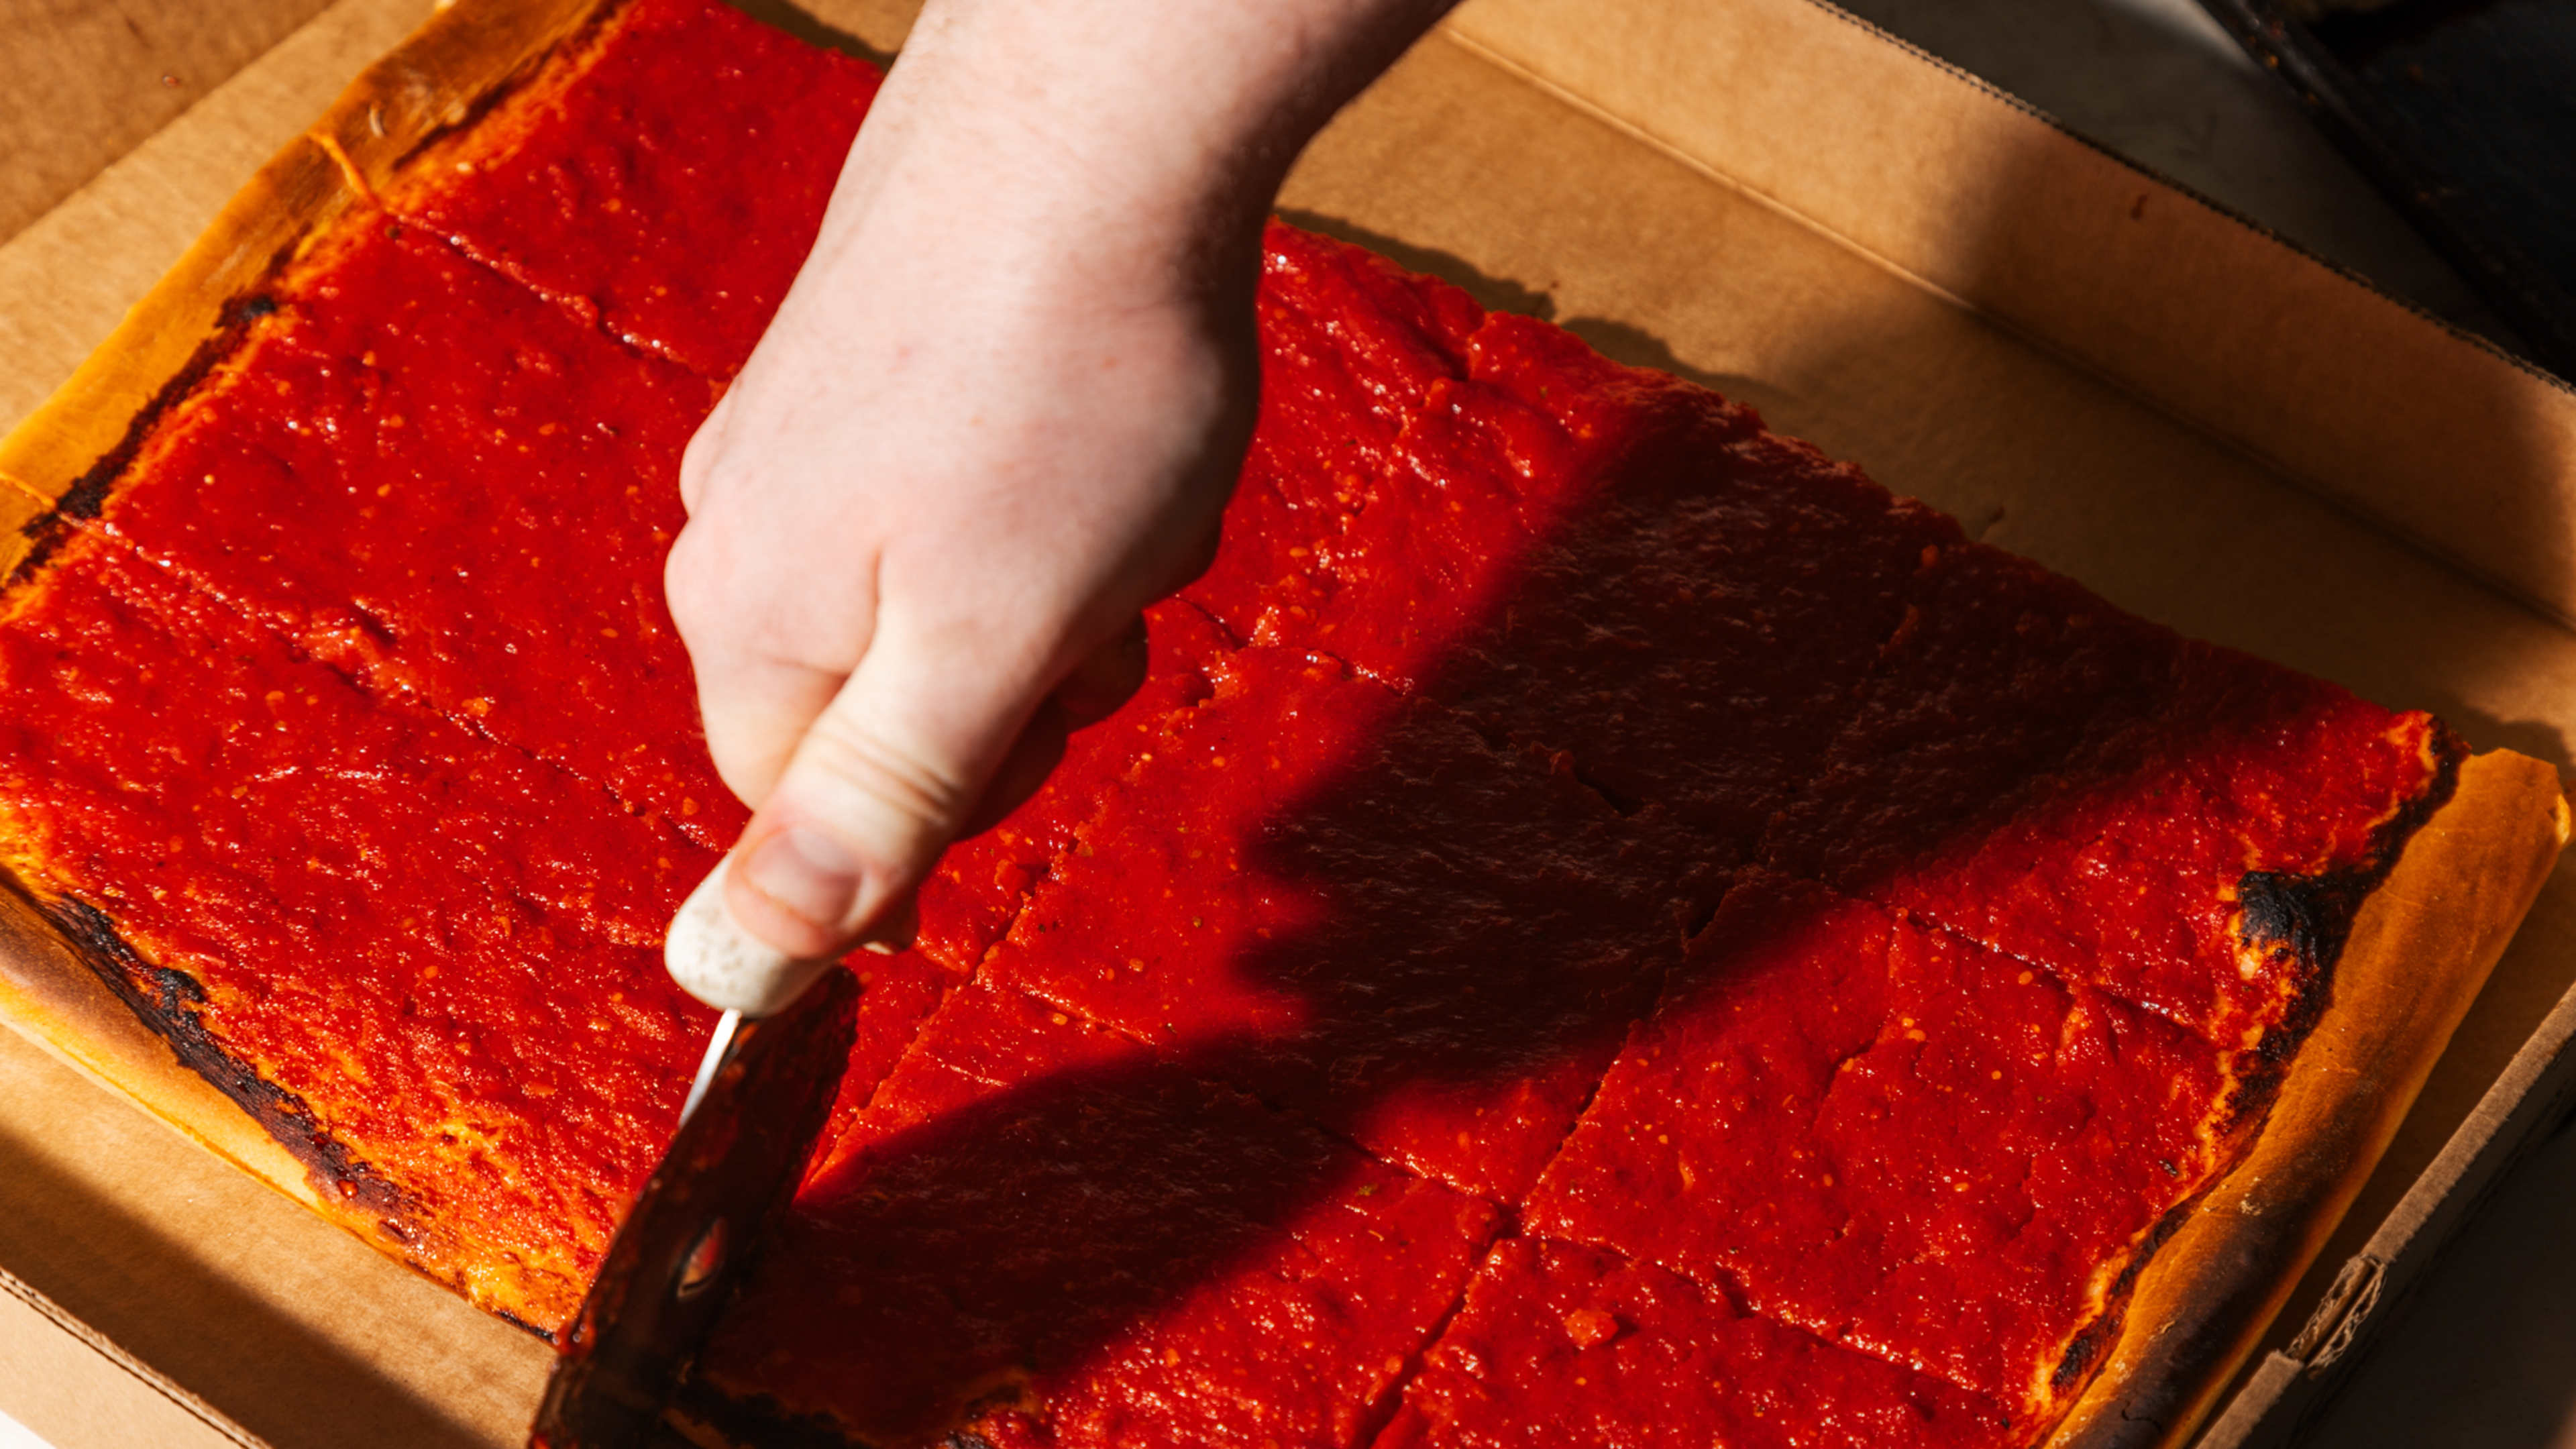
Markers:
point(2455, 112)
point(2080, 361)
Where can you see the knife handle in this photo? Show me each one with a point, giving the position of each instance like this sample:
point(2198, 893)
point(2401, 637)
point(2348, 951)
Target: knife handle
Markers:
point(715, 960)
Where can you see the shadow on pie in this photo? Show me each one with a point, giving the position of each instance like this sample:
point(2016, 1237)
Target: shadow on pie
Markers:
point(1728, 869)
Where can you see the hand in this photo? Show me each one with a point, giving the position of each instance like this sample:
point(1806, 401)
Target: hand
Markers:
point(968, 452)
point(997, 415)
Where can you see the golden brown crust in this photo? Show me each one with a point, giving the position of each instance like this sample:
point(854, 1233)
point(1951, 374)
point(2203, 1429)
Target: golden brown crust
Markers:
point(2419, 952)
point(468, 52)
point(48, 992)
point(82, 432)
point(441, 78)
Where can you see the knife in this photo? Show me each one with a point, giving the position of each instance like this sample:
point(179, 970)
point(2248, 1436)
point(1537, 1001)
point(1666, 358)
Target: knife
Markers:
point(761, 1097)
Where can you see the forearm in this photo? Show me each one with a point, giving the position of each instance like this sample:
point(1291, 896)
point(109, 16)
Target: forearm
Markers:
point(1151, 133)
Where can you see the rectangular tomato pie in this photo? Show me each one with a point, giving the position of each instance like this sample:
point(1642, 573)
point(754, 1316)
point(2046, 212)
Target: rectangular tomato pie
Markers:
point(1603, 924)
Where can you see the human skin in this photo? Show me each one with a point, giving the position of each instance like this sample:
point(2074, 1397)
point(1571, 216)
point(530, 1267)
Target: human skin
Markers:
point(997, 415)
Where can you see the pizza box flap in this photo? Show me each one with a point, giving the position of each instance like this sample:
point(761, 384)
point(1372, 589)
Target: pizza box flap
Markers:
point(2082, 363)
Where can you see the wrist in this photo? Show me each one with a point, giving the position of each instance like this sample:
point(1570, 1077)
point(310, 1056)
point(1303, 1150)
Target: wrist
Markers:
point(1032, 114)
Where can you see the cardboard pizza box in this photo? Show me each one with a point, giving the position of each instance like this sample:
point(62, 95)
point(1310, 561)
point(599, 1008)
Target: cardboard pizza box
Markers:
point(2079, 361)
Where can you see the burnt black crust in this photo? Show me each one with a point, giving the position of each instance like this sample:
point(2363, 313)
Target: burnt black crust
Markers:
point(2301, 923)
point(88, 492)
point(759, 1419)
point(2084, 1352)
point(167, 1001)
point(2088, 1346)
point(50, 530)
point(543, 1335)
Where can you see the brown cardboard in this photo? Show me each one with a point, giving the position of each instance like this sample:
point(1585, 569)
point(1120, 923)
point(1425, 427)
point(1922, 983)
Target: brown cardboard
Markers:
point(2082, 364)
point(70, 1384)
point(2286, 1385)
point(70, 274)
point(292, 1329)
point(2075, 250)
point(93, 80)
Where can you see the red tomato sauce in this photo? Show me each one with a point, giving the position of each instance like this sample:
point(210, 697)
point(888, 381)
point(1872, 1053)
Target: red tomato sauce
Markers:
point(427, 937)
point(1607, 1351)
point(444, 485)
point(1370, 941)
point(665, 180)
point(1039, 1228)
point(1351, 903)
point(1891, 1137)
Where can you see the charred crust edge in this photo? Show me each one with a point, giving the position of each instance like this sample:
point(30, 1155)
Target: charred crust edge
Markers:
point(167, 1002)
point(2302, 922)
point(759, 1419)
point(88, 494)
point(2086, 1349)
point(543, 1335)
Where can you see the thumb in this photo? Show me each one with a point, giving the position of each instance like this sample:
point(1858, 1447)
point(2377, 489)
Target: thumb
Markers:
point(873, 792)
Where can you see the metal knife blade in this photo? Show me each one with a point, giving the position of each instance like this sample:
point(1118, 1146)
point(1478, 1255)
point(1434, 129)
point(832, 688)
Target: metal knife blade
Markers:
point(683, 1248)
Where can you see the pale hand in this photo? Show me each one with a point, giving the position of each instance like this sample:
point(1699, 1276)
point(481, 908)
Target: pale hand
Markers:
point(998, 414)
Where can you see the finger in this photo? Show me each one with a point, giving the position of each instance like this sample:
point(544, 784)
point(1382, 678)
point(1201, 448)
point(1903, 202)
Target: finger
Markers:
point(1092, 692)
point(755, 700)
point(1098, 685)
point(880, 783)
point(1034, 756)
point(894, 931)
point(1211, 540)
point(755, 711)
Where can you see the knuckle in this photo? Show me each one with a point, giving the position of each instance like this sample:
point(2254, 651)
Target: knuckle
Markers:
point(693, 474)
point(692, 580)
point(704, 453)
point(715, 602)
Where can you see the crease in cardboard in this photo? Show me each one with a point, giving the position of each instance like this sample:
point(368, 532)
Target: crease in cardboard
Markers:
point(134, 1368)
